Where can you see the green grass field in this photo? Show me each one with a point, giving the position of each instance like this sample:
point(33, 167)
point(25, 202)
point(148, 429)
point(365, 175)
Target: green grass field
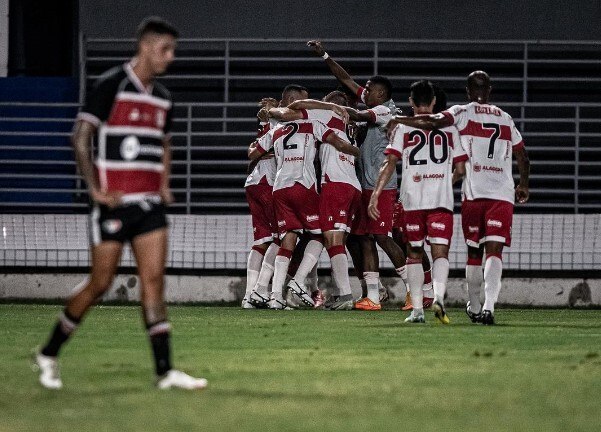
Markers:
point(538, 370)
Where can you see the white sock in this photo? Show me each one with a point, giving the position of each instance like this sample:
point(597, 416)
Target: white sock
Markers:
point(402, 272)
point(474, 278)
point(253, 268)
point(493, 268)
point(340, 273)
point(267, 269)
point(440, 275)
point(415, 278)
point(312, 281)
point(372, 279)
point(279, 275)
point(310, 258)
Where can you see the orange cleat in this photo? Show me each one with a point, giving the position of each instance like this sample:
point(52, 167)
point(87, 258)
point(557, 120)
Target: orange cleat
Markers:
point(408, 305)
point(367, 305)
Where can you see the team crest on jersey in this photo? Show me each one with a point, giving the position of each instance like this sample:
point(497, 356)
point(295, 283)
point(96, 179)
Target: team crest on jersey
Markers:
point(111, 226)
point(477, 167)
point(130, 147)
point(417, 178)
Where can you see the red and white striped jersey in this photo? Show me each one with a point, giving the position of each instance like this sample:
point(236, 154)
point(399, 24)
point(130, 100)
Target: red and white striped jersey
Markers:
point(264, 171)
point(335, 166)
point(132, 122)
point(489, 136)
point(428, 158)
point(294, 145)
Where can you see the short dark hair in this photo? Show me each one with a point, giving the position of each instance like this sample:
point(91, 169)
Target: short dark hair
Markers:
point(294, 87)
point(337, 94)
point(157, 25)
point(441, 99)
point(384, 82)
point(422, 92)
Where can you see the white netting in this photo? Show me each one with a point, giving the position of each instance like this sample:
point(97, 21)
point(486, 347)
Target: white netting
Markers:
point(540, 242)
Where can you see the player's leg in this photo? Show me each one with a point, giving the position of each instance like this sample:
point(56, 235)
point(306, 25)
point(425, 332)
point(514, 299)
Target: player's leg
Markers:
point(474, 279)
point(334, 243)
point(493, 270)
point(105, 259)
point(253, 269)
point(415, 281)
point(282, 262)
point(150, 251)
point(259, 296)
point(309, 261)
point(371, 265)
point(353, 244)
point(440, 276)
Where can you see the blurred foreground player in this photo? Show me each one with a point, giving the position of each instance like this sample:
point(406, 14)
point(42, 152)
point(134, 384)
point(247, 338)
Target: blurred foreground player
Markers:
point(129, 188)
point(490, 139)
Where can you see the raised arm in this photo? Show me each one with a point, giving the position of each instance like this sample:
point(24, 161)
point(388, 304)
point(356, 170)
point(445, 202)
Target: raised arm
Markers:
point(386, 171)
point(428, 122)
point(341, 145)
point(307, 104)
point(81, 140)
point(337, 70)
point(284, 114)
point(521, 191)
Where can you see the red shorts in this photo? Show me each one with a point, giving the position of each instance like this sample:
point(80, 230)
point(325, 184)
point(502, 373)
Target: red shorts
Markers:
point(296, 209)
point(260, 202)
point(338, 205)
point(398, 220)
point(365, 224)
point(486, 220)
point(436, 225)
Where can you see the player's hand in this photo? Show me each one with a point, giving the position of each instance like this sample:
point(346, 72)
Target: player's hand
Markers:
point(110, 199)
point(269, 103)
point(372, 208)
point(341, 111)
point(166, 195)
point(263, 115)
point(316, 45)
point(522, 194)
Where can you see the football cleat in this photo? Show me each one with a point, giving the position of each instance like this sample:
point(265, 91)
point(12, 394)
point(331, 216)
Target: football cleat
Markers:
point(179, 379)
point(247, 305)
point(440, 313)
point(277, 302)
point(50, 376)
point(344, 302)
point(408, 304)
point(318, 298)
point(366, 304)
point(301, 291)
point(258, 300)
point(415, 318)
point(487, 317)
point(475, 317)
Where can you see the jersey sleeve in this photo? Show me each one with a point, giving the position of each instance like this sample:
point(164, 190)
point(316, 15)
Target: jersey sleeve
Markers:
point(516, 137)
point(459, 154)
point(262, 129)
point(265, 142)
point(321, 131)
point(380, 115)
point(458, 114)
point(395, 147)
point(100, 102)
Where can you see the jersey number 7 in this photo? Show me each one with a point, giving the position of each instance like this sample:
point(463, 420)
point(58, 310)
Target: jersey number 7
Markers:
point(493, 138)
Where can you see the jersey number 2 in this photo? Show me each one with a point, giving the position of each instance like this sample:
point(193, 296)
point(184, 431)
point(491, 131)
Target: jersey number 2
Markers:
point(431, 141)
point(291, 128)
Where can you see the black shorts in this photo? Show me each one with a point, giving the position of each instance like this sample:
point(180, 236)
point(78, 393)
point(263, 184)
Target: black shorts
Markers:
point(125, 222)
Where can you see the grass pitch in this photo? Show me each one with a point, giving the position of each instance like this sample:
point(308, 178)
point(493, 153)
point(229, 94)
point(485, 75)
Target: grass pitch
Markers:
point(538, 370)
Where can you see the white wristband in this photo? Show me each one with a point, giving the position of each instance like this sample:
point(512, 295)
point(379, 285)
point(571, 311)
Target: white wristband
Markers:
point(325, 56)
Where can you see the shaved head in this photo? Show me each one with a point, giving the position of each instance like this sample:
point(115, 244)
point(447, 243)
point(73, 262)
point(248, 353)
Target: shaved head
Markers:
point(478, 86)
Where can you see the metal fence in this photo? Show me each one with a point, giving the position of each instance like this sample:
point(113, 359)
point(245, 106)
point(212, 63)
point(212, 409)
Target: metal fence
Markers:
point(544, 85)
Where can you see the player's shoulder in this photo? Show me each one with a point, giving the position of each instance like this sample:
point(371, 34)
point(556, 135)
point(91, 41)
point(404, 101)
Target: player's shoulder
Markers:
point(111, 78)
point(161, 91)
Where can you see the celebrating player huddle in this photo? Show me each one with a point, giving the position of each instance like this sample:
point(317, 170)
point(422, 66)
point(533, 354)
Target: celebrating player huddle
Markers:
point(474, 143)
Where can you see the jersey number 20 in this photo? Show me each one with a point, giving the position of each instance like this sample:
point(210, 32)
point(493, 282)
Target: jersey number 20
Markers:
point(431, 140)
